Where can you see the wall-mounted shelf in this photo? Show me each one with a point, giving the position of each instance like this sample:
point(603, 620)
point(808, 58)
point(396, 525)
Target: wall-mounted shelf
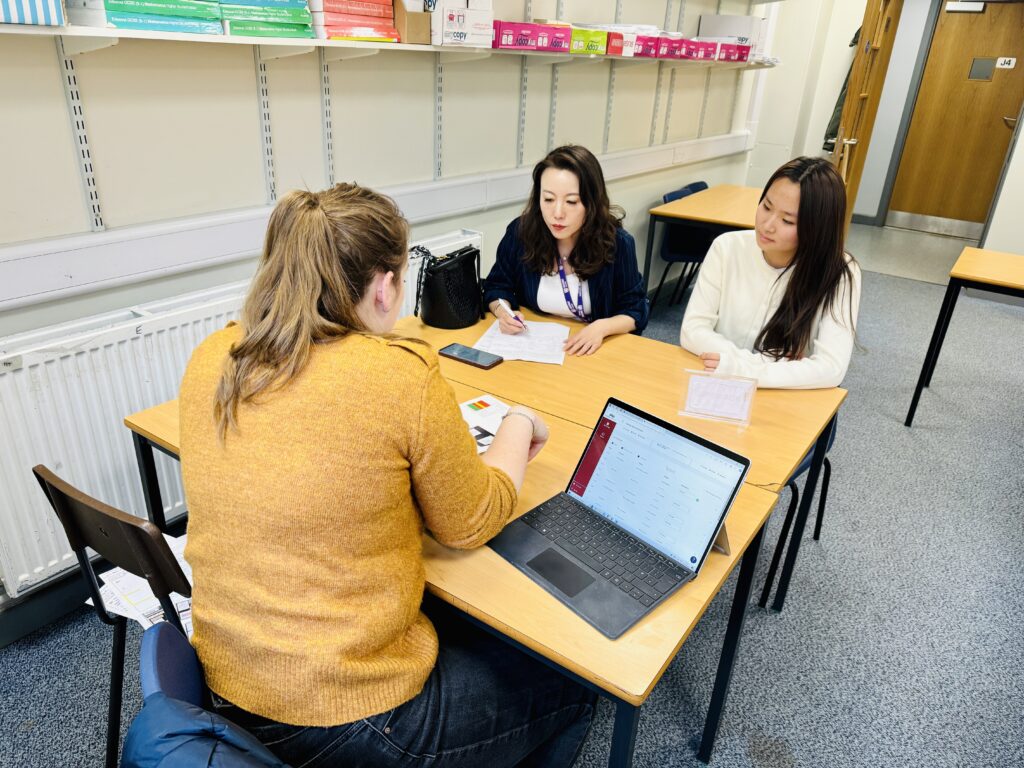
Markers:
point(80, 40)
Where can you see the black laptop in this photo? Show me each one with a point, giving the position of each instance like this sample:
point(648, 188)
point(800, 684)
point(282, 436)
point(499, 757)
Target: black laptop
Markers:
point(640, 515)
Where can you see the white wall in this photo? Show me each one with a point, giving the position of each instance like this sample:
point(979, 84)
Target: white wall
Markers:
point(1005, 232)
point(910, 38)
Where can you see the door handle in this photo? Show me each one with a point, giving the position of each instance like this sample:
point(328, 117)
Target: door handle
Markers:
point(1010, 121)
point(850, 142)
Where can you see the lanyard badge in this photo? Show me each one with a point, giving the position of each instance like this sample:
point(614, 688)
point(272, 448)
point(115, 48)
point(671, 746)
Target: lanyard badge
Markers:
point(576, 309)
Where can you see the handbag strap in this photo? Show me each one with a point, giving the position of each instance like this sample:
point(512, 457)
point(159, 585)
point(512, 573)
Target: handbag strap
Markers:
point(426, 261)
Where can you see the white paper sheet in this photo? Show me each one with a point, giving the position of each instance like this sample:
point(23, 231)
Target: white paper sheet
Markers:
point(539, 343)
point(483, 415)
point(711, 396)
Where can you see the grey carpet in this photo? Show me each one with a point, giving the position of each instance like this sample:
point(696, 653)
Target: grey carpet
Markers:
point(902, 639)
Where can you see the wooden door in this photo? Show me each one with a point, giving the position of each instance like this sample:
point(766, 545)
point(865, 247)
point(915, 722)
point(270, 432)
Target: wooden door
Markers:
point(963, 122)
point(867, 75)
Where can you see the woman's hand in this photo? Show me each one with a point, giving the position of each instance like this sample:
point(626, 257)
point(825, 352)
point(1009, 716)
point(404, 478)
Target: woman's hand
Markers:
point(540, 437)
point(711, 361)
point(507, 323)
point(587, 341)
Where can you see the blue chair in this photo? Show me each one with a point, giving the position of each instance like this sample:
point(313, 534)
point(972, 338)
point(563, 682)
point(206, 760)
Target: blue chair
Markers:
point(794, 500)
point(684, 243)
point(174, 730)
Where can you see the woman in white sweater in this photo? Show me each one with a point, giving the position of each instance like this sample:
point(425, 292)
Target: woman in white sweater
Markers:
point(779, 303)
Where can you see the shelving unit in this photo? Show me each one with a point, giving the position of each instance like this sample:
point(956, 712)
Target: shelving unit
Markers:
point(79, 40)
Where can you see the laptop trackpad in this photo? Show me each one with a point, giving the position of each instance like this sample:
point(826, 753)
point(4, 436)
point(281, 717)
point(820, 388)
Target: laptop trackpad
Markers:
point(561, 572)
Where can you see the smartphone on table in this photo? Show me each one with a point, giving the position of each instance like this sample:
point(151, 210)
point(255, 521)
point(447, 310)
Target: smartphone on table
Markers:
point(465, 354)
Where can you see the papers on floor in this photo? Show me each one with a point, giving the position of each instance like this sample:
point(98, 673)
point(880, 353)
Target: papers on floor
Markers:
point(539, 343)
point(128, 595)
point(483, 415)
point(725, 398)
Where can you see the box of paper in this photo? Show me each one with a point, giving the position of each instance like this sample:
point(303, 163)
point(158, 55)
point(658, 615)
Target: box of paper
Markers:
point(413, 26)
point(588, 41)
point(670, 45)
point(743, 30)
point(457, 25)
point(551, 37)
point(44, 13)
point(515, 35)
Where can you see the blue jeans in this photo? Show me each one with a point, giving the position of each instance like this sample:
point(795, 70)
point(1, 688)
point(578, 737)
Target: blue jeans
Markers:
point(485, 705)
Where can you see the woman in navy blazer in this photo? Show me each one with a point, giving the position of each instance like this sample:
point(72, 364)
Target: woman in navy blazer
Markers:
point(568, 255)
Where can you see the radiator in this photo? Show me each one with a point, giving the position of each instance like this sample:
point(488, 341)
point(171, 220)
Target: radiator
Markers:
point(64, 392)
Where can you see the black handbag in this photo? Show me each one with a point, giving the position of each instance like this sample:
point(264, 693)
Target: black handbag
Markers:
point(448, 293)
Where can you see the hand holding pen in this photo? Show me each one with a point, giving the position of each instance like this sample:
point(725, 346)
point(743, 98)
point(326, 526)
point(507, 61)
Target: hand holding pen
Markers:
point(509, 321)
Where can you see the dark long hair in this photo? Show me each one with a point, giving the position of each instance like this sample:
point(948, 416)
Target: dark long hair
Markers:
point(820, 265)
point(595, 246)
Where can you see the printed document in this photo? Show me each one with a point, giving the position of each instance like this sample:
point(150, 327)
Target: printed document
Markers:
point(539, 343)
point(712, 396)
point(483, 415)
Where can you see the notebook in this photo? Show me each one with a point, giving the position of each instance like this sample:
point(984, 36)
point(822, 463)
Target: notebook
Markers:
point(640, 515)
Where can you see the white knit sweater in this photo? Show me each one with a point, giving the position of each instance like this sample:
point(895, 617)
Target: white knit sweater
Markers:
point(736, 293)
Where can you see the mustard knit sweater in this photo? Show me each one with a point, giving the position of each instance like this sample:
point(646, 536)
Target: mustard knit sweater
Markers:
point(305, 526)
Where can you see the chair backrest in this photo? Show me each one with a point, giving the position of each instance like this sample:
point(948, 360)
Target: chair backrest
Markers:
point(682, 241)
point(122, 539)
point(169, 665)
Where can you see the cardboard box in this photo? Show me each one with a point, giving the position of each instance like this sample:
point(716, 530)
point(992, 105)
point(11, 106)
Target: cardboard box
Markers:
point(454, 24)
point(706, 49)
point(554, 38)
point(588, 41)
point(413, 26)
point(745, 30)
point(733, 52)
point(670, 46)
point(647, 46)
point(481, 5)
point(515, 35)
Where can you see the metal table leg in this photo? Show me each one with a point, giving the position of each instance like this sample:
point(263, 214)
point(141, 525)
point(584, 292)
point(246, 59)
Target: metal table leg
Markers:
point(954, 291)
point(144, 454)
point(817, 459)
point(730, 646)
point(627, 717)
point(650, 249)
point(941, 322)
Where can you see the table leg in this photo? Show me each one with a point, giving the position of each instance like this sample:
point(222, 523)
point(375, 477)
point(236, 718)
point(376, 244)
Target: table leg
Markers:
point(817, 459)
point(730, 646)
point(941, 323)
point(650, 249)
point(623, 735)
point(954, 293)
point(150, 483)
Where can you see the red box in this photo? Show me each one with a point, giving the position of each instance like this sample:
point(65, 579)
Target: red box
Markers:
point(647, 46)
point(516, 35)
point(614, 44)
point(552, 38)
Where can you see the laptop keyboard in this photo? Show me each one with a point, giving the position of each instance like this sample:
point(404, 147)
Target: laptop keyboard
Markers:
point(617, 557)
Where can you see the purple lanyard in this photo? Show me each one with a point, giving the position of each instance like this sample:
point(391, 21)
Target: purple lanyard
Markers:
point(576, 309)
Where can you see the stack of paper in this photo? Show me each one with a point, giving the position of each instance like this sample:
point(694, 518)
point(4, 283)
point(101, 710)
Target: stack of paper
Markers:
point(372, 20)
point(189, 16)
point(267, 18)
point(128, 595)
point(539, 343)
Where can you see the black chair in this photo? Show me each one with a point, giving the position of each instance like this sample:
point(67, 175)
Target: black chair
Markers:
point(794, 500)
point(125, 541)
point(684, 243)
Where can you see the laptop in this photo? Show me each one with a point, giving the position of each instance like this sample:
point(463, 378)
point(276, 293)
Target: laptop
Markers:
point(637, 521)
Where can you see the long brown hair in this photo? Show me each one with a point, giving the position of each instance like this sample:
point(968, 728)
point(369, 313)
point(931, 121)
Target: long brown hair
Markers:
point(820, 265)
point(321, 252)
point(595, 246)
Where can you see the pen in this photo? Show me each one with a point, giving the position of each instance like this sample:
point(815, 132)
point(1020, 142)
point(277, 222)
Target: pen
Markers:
point(504, 305)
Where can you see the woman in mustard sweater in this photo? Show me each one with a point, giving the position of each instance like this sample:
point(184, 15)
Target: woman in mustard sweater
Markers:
point(315, 448)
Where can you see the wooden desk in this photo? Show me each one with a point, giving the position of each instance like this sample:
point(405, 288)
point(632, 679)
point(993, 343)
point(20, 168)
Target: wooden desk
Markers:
point(723, 207)
point(496, 595)
point(976, 268)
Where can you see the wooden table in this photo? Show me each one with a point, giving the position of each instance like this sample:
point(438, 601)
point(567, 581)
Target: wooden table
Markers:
point(722, 207)
point(976, 268)
point(506, 602)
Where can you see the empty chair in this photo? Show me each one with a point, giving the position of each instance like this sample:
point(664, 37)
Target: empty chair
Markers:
point(173, 730)
point(128, 542)
point(794, 500)
point(684, 243)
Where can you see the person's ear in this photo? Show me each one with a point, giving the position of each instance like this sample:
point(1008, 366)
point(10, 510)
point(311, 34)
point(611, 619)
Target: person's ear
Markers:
point(385, 296)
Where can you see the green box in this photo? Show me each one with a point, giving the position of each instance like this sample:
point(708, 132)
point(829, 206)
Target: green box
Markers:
point(266, 29)
point(588, 41)
point(266, 13)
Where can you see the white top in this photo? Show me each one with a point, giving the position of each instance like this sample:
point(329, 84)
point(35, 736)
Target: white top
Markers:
point(551, 298)
point(736, 293)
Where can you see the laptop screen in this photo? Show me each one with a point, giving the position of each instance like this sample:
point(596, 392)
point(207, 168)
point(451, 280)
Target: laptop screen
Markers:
point(663, 485)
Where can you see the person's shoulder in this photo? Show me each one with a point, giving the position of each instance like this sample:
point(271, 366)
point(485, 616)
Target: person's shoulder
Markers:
point(217, 345)
point(401, 352)
point(623, 238)
point(513, 227)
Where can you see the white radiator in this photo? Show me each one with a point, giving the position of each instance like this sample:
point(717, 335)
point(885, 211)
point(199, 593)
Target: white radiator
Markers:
point(64, 393)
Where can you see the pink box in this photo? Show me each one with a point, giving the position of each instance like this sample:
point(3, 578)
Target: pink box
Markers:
point(733, 52)
point(706, 49)
point(517, 35)
point(647, 46)
point(670, 47)
point(552, 38)
point(689, 49)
